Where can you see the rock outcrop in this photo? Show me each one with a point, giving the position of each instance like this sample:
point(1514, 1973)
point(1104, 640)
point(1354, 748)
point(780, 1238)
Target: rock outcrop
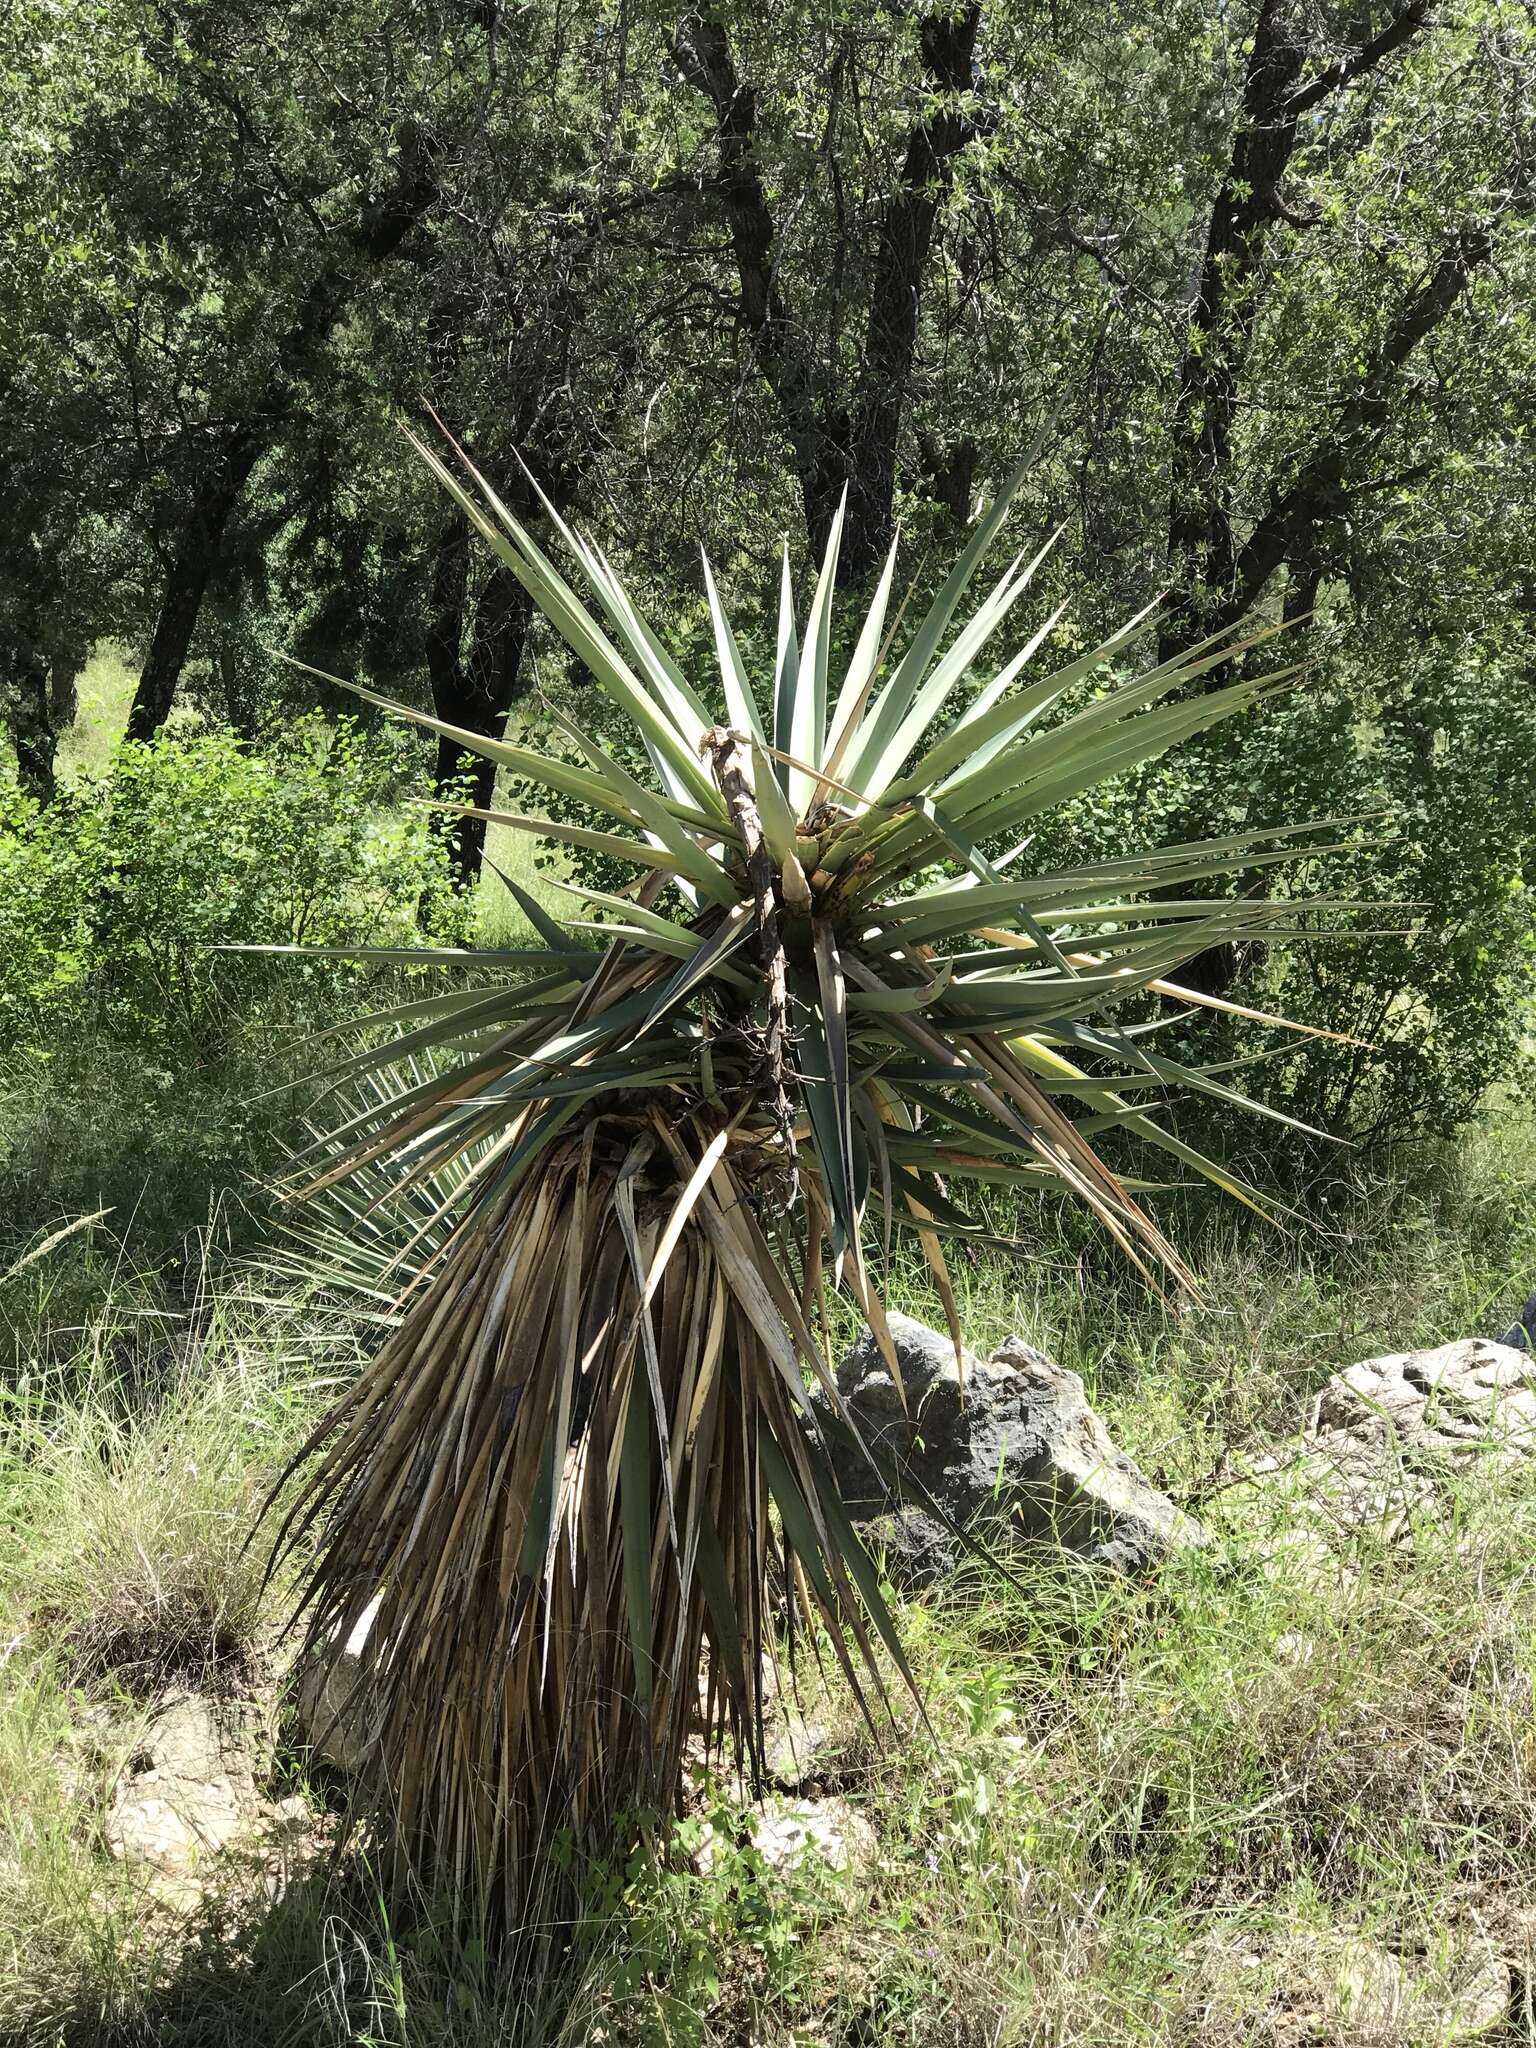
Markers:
point(193, 1794)
point(1386, 1436)
point(1461, 1400)
point(1017, 1455)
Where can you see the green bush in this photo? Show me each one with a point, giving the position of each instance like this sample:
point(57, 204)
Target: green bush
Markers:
point(1425, 751)
point(115, 900)
point(142, 1069)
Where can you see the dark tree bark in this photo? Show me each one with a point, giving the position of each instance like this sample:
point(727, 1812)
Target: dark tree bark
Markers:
point(233, 453)
point(32, 726)
point(474, 690)
point(65, 661)
point(853, 444)
point(1217, 572)
point(1215, 577)
point(1335, 471)
point(1322, 486)
point(214, 497)
point(867, 460)
point(951, 473)
point(475, 686)
point(238, 708)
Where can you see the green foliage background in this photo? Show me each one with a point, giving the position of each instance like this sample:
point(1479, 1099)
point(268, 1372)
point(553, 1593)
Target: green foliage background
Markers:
point(185, 274)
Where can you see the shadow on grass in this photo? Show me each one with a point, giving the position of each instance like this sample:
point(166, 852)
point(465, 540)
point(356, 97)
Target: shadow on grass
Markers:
point(320, 1966)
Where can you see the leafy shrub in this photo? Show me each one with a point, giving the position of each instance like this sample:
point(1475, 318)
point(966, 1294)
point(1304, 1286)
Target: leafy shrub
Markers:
point(139, 1061)
point(1431, 748)
point(115, 900)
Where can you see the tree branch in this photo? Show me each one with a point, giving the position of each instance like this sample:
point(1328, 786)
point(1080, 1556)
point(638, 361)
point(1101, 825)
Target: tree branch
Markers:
point(1401, 29)
point(702, 52)
point(1201, 544)
point(838, 445)
point(1322, 487)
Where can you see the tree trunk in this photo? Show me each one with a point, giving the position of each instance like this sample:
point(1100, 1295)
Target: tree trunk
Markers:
point(31, 722)
point(948, 46)
point(238, 708)
point(382, 227)
point(839, 447)
point(186, 583)
point(64, 666)
point(476, 693)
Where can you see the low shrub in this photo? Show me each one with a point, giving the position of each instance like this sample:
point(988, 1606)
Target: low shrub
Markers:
point(142, 1067)
point(116, 899)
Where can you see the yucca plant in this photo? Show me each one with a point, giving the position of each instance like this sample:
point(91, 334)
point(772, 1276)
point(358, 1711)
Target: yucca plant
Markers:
point(583, 1479)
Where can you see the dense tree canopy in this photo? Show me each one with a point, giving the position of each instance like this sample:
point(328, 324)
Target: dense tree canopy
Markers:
point(1254, 281)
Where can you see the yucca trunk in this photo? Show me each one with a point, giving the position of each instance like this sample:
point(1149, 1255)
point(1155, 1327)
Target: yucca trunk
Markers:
point(555, 1481)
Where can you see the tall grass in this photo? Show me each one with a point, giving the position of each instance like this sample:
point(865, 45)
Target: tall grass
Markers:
point(104, 695)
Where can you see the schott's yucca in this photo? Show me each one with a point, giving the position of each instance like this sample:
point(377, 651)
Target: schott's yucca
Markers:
point(582, 1479)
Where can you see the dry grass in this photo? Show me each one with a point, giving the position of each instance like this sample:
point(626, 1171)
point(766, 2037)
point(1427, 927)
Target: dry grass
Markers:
point(144, 1571)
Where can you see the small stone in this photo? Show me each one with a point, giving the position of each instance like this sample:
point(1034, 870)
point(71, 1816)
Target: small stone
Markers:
point(150, 1830)
point(1299, 1554)
point(827, 1830)
point(1295, 1648)
point(1368, 1985)
point(789, 1833)
point(792, 1748)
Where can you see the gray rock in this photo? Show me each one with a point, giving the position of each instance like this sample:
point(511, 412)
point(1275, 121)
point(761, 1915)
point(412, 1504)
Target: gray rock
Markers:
point(1460, 1401)
point(1018, 1455)
point(1481, 2000)
point(1349, 1987)
point(190, 1792)
point(793, 1744)
point(1387, 1435)
point(787, 1833)
point(335, 1706)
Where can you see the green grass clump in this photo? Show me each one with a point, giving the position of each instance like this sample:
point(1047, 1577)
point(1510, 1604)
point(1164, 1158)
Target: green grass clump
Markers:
point(139, 1567)
point(104, 695)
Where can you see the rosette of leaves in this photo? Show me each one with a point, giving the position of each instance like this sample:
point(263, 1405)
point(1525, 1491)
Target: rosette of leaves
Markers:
point(582, 1485)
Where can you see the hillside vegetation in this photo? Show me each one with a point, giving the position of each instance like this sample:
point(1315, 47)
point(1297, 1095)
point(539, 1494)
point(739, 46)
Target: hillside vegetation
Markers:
point(1198, 1809)
point(1223, 308)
